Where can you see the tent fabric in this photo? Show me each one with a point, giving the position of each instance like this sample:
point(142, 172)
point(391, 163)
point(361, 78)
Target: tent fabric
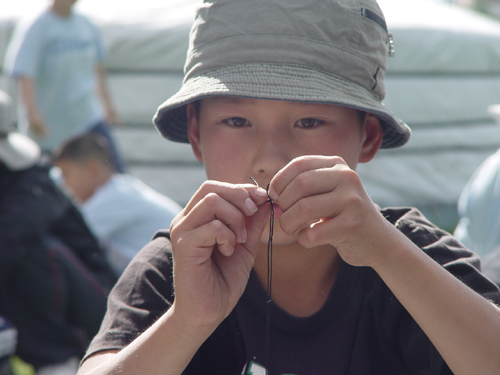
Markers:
point(443, 78)
point(433, 36)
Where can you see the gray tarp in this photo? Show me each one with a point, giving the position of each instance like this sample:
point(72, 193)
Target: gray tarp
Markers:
point(445, 75)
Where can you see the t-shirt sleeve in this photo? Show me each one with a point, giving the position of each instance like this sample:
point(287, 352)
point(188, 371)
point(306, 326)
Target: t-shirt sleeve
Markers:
point(447, 251)
point(143, 293)
point(26, 49)
point(398, 326)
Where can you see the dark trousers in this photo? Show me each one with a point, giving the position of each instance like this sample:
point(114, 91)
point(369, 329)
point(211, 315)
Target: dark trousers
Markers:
point(55, 303)
point(5, 368)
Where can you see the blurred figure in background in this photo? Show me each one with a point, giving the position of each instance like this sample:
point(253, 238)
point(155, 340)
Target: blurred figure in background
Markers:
point(479, 212)
point(479, 209)
point(54, 276)
point(121, 210)
point(57, 59)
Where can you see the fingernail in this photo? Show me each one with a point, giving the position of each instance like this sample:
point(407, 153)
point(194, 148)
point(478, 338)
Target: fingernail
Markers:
point(273, 195)
point(250, 204)
point(260, 192)
point(244, 235)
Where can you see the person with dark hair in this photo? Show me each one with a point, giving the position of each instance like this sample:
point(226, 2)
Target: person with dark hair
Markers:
point(281, 263)
point(54, 276)
point(121, 210)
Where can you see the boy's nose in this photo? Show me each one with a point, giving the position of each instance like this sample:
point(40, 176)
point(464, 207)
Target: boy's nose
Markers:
point(272, 154)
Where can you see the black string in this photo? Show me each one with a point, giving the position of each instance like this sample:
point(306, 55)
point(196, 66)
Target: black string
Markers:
point(269, 277)
point(269, 274)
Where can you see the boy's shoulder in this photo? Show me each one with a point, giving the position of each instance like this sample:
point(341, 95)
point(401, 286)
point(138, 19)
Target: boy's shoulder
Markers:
point(408, 217)
point(426, 235)
point(434, 241)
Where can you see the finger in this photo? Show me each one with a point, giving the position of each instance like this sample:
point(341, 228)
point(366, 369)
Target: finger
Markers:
point(309, 183)
point(331, 231)
point(246, 196)
point(320, 233)
point(214, 207)
point(306, 212)
point(198, 244)
point(317, 195)
point(298, 166)
point(255, 226)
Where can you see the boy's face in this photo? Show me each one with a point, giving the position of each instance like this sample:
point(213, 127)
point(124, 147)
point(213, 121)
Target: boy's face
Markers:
point(237, 138)
point(79, 178)
point(66, 3)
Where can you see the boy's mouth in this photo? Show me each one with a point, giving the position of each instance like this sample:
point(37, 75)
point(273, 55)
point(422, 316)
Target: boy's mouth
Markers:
point(277, 211)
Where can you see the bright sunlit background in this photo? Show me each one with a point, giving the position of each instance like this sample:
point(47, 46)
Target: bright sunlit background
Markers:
point(445, 75)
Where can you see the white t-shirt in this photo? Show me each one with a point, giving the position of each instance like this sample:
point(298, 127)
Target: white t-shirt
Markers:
point(61, 55)
point(124, 214)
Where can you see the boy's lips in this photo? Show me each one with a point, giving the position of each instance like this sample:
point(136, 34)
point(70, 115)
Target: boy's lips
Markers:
point(277, 211)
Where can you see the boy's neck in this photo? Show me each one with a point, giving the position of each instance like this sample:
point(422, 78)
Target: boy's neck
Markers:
point(302, 278)
point(62, 10)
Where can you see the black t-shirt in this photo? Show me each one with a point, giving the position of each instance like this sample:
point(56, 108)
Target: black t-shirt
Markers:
point(47, 255)
point(32, 206)
point(361, 329)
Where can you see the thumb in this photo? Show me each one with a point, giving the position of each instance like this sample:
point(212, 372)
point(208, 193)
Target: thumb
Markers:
point(255, 225)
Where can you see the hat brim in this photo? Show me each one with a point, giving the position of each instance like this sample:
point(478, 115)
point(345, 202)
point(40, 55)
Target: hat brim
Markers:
point(18, 152)
point(275, 82)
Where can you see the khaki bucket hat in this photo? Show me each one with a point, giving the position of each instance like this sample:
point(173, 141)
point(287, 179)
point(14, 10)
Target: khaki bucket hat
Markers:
point(320, 51)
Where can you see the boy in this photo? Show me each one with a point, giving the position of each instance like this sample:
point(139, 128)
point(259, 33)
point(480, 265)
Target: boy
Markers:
point(121, 210)
point(290, 93)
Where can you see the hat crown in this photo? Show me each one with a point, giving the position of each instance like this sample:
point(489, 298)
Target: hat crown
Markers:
point(314, 51)
point(346, 38)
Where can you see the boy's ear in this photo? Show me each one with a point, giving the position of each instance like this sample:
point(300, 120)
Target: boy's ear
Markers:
point(373, 138)
point(193, 130)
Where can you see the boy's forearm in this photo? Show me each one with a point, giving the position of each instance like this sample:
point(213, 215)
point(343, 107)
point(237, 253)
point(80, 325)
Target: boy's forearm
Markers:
point(462, 325)
point(165, 348)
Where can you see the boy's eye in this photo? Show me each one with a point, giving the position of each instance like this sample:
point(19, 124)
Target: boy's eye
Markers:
point(237, 121)
point(308, 122)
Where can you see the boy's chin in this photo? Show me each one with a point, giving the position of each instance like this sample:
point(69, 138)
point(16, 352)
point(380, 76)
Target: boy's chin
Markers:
point(280, 238)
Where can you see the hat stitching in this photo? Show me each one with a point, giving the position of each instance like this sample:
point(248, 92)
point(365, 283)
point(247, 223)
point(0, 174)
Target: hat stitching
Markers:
point(197, 50)
point(216, 87)
point(239, 78)
point(375, 78)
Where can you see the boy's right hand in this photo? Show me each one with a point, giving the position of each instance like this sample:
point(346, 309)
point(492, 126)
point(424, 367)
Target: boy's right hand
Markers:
point(214, 244)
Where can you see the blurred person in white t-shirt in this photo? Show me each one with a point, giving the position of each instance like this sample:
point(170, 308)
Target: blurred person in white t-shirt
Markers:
point(122, 211)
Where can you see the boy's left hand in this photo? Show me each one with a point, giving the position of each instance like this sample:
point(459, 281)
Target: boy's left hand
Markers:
point(324, 201)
